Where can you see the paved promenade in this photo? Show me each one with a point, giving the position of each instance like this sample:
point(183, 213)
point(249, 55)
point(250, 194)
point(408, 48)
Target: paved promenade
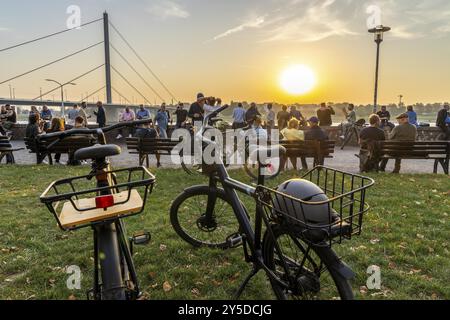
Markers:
point(343, 160)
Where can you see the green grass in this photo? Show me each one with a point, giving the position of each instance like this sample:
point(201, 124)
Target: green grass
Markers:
point(405, 234)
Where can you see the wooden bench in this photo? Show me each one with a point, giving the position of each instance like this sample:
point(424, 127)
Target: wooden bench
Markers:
point(7, 150)
point(146, 147)
point(438, 151)
point(317, 150)
point(43, 149)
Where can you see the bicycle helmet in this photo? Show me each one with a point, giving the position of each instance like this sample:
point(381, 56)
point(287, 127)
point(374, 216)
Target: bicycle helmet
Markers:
point(316, 214)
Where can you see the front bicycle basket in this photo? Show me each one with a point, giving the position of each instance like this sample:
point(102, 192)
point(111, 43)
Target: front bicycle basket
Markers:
point(75, 204)
point(342, 209)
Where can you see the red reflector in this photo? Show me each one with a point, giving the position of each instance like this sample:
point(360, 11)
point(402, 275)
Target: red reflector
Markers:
point(104, 202)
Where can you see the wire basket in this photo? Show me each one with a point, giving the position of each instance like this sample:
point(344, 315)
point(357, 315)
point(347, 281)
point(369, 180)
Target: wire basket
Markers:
point(345, 207)
point(75, 204)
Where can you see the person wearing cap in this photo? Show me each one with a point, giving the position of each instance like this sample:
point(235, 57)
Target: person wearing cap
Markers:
point(196, 111)
point(443, 121)
point(403, 132)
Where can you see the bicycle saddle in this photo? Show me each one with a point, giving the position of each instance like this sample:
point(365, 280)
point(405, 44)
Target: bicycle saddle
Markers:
point(98, 152)
point(263, 153)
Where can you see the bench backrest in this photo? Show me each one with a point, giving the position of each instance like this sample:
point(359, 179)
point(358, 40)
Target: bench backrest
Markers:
point(415, 148)
point(66, 146)
point(149, 145)
point(309, 148)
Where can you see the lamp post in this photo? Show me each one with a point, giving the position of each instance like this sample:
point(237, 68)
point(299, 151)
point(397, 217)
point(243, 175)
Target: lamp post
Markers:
point(62, 93)
point(378, 33)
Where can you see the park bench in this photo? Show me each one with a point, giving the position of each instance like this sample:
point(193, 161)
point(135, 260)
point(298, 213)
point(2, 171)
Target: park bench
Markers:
point(7, 150)
point(438, 151)
point(146, 147)
point(317, 150)
point(43, 149)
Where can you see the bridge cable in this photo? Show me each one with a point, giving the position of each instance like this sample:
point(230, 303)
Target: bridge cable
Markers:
point(143, 62)
point(79, 77)
point(93, 93)
point(140, 76)
point(122, 96)
point(129, 83)
point(49, 64)
point(48, 36)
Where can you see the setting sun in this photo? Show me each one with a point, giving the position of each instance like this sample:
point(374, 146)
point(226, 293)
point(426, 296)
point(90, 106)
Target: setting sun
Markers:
point(298, 79)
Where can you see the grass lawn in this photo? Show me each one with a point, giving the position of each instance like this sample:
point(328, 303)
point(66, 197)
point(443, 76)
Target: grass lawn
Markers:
point(406, 234)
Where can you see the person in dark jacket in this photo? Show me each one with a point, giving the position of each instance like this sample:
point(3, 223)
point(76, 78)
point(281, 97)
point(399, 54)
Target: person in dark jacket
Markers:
point(324, 114)
point(101, 115)
point(252, 114)
point(315, 133)
point(196, 111)
point(442, 121)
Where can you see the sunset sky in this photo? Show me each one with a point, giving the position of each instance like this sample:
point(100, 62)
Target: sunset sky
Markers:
point(235, 49)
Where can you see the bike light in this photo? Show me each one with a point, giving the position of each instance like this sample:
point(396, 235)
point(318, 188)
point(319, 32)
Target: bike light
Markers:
point(104, 202)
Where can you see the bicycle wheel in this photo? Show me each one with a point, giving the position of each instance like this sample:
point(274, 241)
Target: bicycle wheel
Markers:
point(191, 222)
point(308, 270)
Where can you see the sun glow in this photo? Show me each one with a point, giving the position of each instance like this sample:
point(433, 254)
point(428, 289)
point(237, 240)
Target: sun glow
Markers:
point(298, 79)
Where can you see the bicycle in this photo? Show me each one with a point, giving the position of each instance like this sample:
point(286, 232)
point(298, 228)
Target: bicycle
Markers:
point(250, 165)
point(118, 194)
point(295, 254)
point(352, 131)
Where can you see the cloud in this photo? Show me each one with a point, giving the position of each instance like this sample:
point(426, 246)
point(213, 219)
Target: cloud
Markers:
point(316, 20)
point(167, 9)
point(254, 23)
point(4, 29)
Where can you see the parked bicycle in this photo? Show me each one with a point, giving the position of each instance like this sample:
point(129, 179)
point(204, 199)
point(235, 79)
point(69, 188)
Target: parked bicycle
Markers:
point(351, 132)
point(294, 227)
point(118, 194)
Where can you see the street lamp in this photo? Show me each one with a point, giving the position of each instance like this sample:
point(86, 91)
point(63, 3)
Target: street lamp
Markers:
point(378, 33)
point(62, 93)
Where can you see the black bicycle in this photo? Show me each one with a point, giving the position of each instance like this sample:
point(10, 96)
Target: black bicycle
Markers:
point(352, 132)
point(286, 241)
point(118, 194)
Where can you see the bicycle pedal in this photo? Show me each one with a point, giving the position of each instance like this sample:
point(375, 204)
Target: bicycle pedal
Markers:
point(141, 239)
point(235, 240)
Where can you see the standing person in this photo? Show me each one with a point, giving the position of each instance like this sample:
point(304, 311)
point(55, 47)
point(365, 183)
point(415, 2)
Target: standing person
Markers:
point(297, 115)
point(101, 115)
point(46, 114)
point(283, 118)
point(212, 104)
point(324, 114)
point(251, 114)
point(34, 110)
point(72, 115)
point(181, 115)
point(292, 133)
point(405, 131)
point(142, 113)
point(350, 118)
point(385, 117)
point(162, 121)
point(83, 114)
point(412, 116)
point(126, 116)
point(196, 111)
point(442, 121)
point(239, 117)
point(270, 119)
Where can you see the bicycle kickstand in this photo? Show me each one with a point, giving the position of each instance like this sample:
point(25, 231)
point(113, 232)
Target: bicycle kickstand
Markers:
point(244, 284)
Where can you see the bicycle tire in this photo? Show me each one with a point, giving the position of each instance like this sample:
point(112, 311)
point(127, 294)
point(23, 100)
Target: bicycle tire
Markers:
point(175, 215)
point(327, 258)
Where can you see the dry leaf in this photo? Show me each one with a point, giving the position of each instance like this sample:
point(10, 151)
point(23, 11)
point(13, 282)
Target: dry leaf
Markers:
point(167, 287)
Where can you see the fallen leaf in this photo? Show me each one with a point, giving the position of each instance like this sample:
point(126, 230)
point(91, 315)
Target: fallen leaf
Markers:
point(167, 287)
point(195, 292)
point(72, 297)
point(162, 247)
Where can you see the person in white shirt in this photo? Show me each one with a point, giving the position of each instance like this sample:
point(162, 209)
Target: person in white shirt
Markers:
point(212, 105)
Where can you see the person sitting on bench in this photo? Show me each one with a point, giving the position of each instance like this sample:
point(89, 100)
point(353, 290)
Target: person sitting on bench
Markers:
point(315, 133)
point(146, 132)
point(403, 132)
point(368, 138)
point(292, 133)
